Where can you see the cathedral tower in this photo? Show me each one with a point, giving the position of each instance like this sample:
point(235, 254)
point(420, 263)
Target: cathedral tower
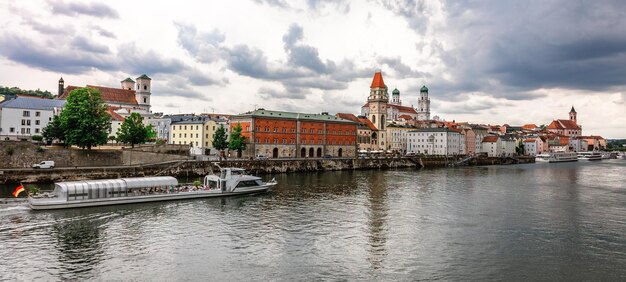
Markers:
point(128, 84)
point(572, 115)
point(395, 97)
point(423, 110)
point(143, 90)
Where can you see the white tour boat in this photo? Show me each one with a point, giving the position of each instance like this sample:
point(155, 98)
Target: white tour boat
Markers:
point(557, 157)
point(589, 156)
point(90, 193)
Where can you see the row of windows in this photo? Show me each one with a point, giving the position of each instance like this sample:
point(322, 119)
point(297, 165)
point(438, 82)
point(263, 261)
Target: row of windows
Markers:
point(27, 122)
point(22, 131)
point(27, 114)
point(293, 141)
point(293, 130)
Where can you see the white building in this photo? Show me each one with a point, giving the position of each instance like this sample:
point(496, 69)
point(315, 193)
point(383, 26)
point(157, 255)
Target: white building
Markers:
point(532, 146)
point(23, 117)
point(498, 146)
point(434, 141)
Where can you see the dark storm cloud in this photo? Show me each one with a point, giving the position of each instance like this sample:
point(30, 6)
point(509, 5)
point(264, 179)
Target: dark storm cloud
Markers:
point(509, 49)
point(135, 60)
point(401, 69)
point(302, 71)
point(47, 28)
point(414, 11)
point(93, 9)
point(291, 93)
point(203, 46)
point(90, 46)
point(70, 59)
point(103, 32)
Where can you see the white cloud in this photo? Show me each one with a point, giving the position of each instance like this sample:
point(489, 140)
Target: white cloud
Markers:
point(320, 55)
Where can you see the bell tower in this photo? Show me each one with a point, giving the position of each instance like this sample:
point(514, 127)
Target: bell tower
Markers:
point(572, 115)
point(61, 86)
point(423, 104)
point(377, 101)
point(128, 84)
point(142, 93)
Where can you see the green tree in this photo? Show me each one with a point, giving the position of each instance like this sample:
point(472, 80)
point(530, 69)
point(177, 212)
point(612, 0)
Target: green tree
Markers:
point(219, 140)
point(132, 131)
point(53, 130)
point(84, 119)
point(237, 141)
point(151, 134)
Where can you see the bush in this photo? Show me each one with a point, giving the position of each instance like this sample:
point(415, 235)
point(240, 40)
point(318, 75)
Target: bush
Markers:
point(38, 138)
point(39, 149)
point(9, 151)
point(34, 190)
point(197, 183)
point(160, 142)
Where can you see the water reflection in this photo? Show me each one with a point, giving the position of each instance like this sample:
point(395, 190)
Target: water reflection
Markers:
point(79, 247)
point(377, 211)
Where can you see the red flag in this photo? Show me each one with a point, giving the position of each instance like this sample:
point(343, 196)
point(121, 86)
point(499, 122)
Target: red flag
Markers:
point(18, 190)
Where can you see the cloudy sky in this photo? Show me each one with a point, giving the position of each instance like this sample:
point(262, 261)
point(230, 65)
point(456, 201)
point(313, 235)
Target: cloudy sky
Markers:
point(492, 62)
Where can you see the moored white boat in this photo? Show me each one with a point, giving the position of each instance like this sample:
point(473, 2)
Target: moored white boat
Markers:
point(589, 156)
point(89, 193)
point(556, 157)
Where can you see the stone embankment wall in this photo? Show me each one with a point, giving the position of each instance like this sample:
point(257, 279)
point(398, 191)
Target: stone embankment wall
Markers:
point(18, 154)
point(197, 168)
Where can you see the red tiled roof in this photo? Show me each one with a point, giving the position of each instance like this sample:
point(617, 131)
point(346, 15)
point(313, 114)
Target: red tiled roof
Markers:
point(354, 118)
point(530, 140)
point(530, 126)
point(114, 115)
point(490, 139)
point(108, 94)
point(563, 124)
point(406, 117)
point(402, 109)
point(347, 116)
point(368, 123)
point(378, 82)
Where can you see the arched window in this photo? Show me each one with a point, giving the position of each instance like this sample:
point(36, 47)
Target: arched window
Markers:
point(373, 119)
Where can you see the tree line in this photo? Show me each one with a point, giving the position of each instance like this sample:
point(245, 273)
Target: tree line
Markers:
point(10, 91)
point(85, 122)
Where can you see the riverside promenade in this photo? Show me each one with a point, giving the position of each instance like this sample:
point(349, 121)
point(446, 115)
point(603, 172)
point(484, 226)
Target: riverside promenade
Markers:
point(185, 168)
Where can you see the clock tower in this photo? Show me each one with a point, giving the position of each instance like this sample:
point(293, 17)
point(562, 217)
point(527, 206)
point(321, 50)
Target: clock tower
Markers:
point(377, 101)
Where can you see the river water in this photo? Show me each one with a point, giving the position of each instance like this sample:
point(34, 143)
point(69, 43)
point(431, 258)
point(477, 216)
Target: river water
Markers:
point(521, 222)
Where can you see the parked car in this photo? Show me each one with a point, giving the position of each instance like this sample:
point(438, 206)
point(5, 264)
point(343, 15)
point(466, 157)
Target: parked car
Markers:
point(262, 157)
point(410, 154)
point(44, 164)
point(327, 156)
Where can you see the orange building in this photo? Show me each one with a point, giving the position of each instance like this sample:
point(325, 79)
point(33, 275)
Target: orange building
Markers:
point(290, 135)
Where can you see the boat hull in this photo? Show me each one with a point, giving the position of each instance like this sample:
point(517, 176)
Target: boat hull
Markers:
point(51, 204)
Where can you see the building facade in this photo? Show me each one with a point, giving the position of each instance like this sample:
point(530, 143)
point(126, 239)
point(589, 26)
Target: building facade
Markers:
point(434, 141)
point(22, 117)
point(296, 135)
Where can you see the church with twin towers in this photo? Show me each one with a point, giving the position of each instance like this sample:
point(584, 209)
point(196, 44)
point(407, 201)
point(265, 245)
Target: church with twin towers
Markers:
point(380, 110)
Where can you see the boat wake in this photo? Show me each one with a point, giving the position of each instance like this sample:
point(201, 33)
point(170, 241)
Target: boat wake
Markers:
point(13, 207)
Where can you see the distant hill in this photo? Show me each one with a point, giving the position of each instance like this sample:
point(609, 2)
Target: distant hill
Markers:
point(9, 91)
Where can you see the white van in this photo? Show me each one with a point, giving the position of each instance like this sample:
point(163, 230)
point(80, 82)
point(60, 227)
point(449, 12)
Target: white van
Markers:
point(44, 164)
point(262, 157)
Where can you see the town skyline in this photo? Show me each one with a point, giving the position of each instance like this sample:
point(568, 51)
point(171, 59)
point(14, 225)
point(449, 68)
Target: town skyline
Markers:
point(480, 66)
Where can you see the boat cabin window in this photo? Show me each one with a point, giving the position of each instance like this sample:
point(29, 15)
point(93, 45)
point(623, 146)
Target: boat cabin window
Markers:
point(247, 183)
point(212, 184)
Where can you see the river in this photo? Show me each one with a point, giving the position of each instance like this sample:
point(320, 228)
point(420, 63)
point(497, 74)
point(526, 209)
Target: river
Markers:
point(520, 222)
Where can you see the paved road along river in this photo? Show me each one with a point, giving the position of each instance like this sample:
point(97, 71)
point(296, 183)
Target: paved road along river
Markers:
point(522, 222)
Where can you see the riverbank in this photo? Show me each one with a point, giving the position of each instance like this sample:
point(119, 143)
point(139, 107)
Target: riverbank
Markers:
point(187, 168)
